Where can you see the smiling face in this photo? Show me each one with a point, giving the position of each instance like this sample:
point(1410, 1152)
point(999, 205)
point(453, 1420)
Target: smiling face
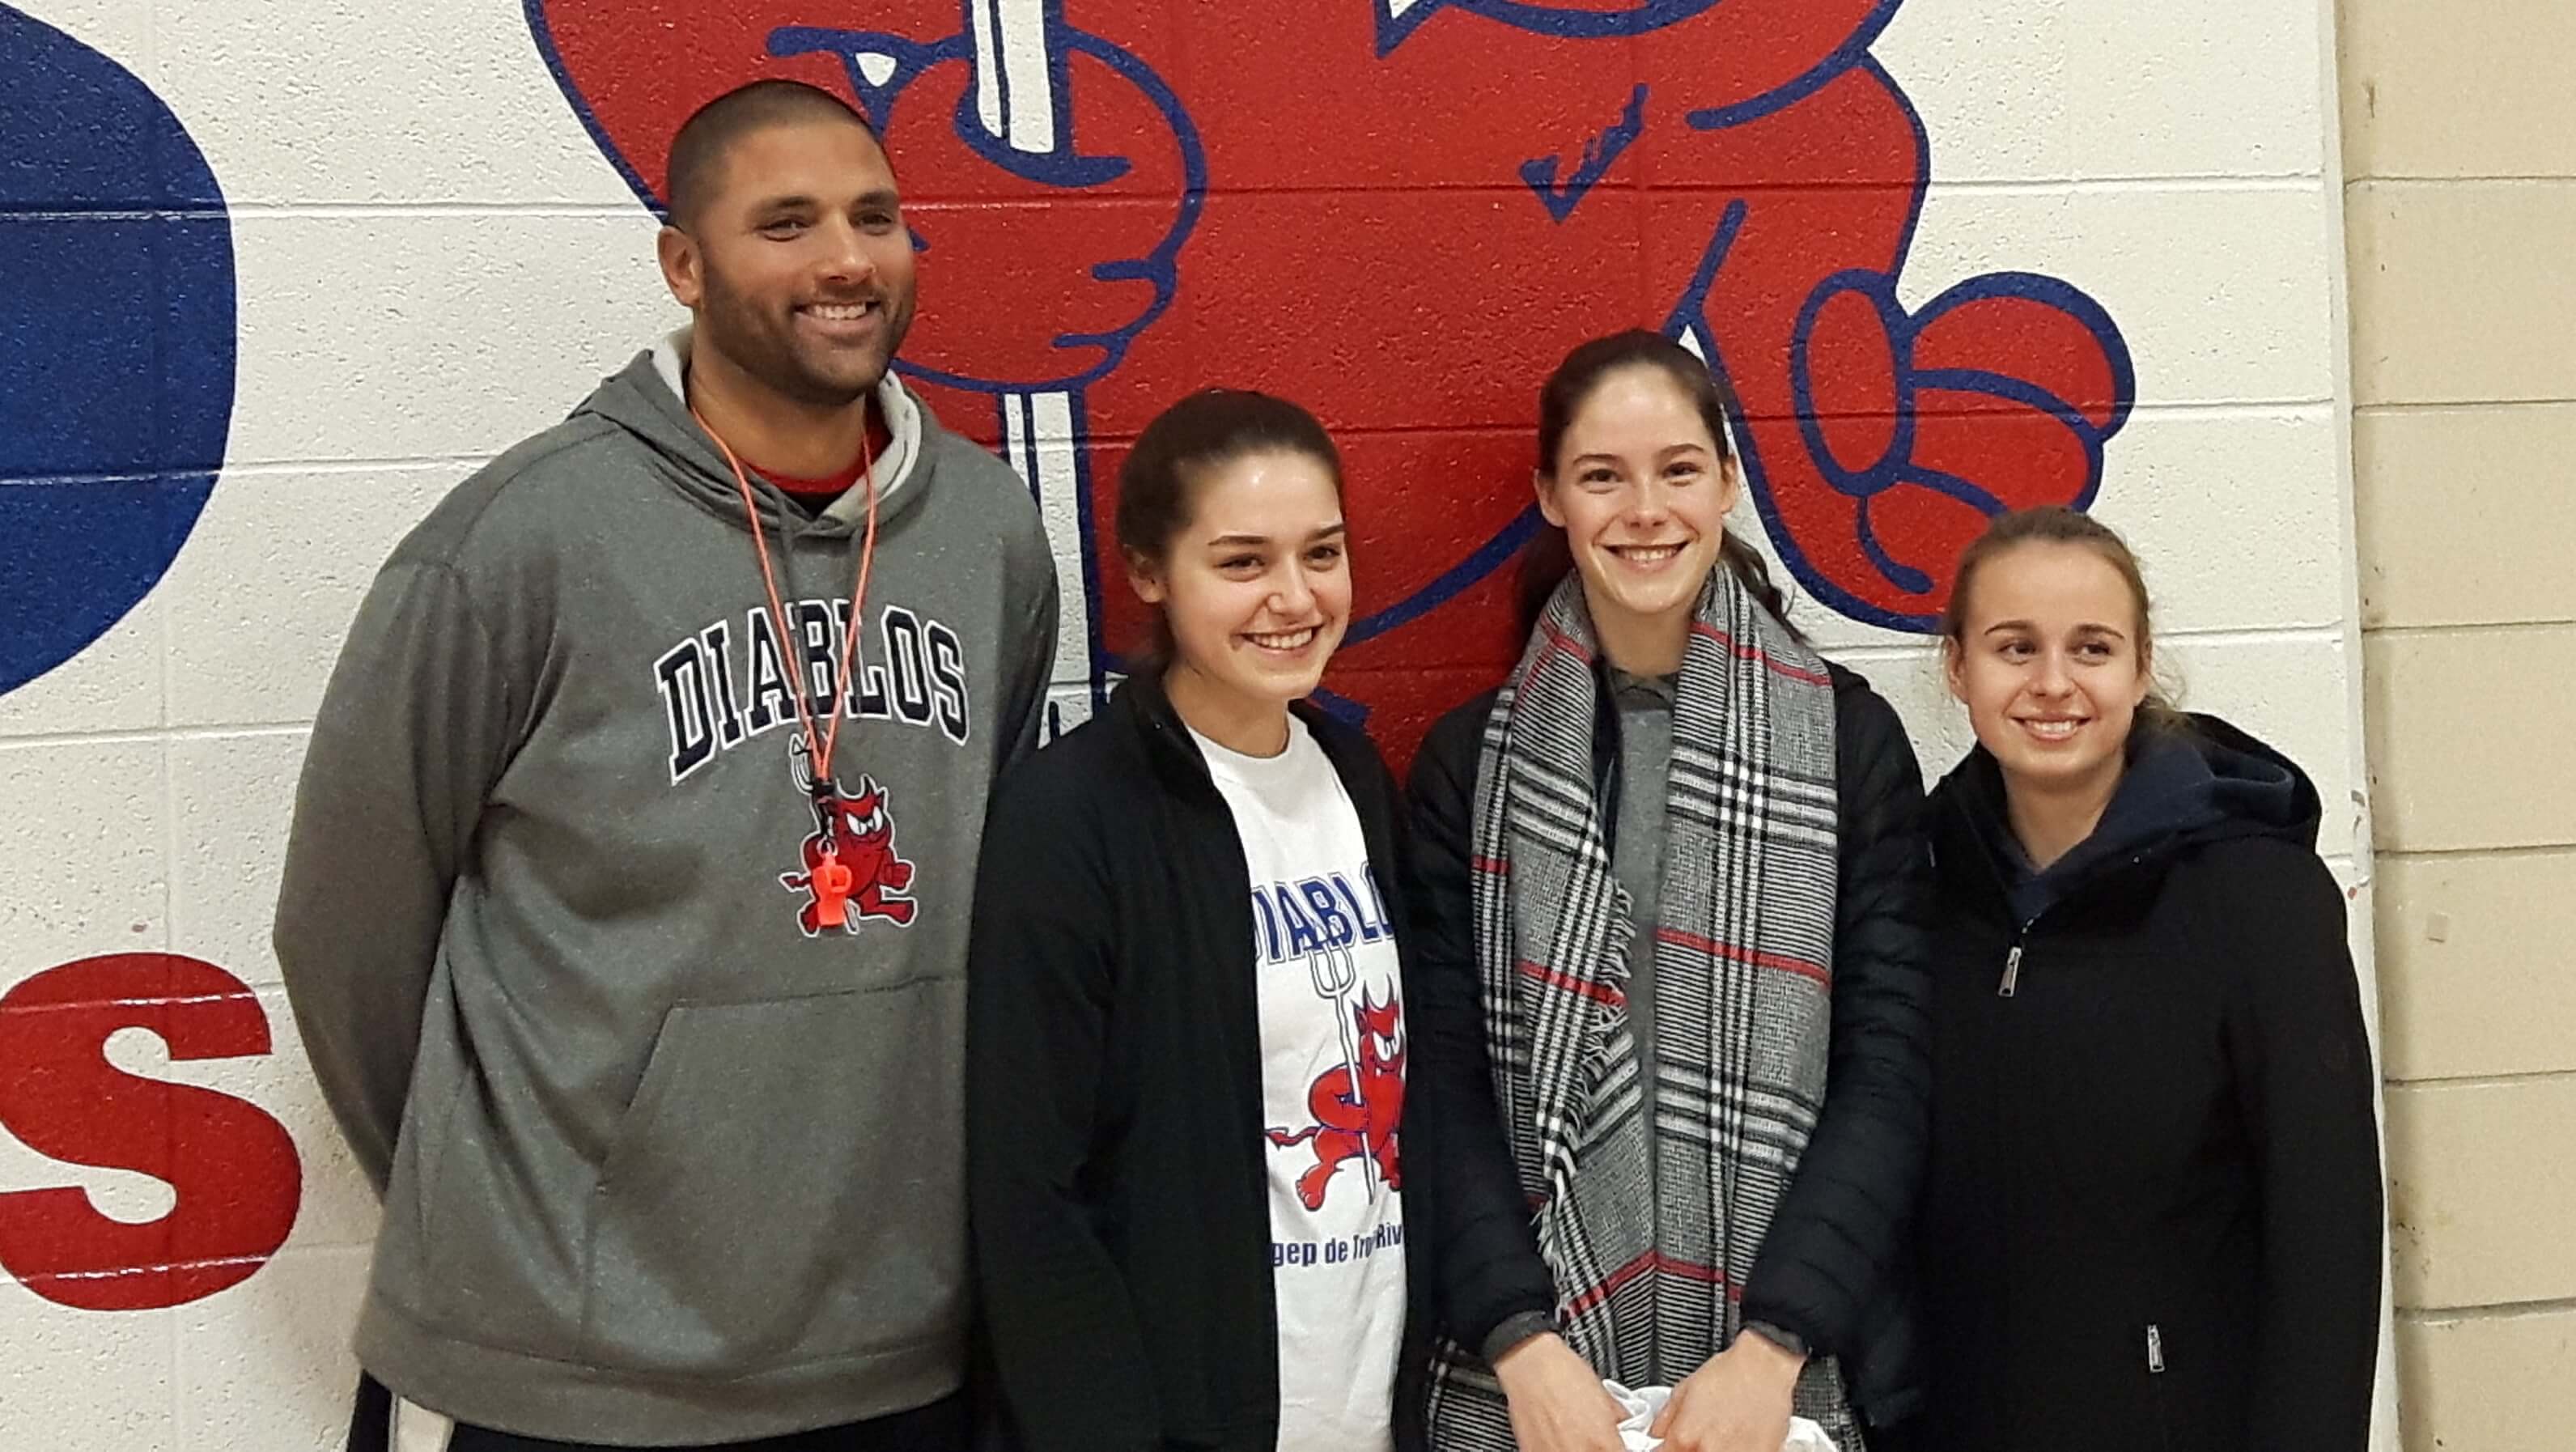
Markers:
point(1255, 589)
point(798, 266)
point(2051, 662)
point(1641, 491)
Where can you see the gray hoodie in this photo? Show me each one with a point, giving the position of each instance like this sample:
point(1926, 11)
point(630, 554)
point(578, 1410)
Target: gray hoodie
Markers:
point(663, 1158)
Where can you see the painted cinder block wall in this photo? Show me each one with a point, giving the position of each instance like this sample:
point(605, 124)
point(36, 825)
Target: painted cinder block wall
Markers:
point(280, 273)
point(2459, 131)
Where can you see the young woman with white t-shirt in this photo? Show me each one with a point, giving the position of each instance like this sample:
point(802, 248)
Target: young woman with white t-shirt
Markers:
point(1186, 1004)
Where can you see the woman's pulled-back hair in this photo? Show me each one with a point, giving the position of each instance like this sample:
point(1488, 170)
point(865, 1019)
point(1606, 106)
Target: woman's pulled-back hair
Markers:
point(2059, 525)
point(1547, 559)
point(1177, 452)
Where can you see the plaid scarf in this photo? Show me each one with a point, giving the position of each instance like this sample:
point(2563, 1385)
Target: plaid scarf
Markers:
point(1648, 1277)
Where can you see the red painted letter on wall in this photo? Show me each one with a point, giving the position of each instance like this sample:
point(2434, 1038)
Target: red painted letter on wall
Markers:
point(234, 1168)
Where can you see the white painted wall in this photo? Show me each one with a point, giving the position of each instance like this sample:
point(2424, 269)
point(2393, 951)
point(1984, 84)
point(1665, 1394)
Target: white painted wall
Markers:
point(434, 261)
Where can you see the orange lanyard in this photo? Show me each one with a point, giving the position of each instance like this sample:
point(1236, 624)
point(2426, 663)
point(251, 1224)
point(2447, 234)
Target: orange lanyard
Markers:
point(818, 746)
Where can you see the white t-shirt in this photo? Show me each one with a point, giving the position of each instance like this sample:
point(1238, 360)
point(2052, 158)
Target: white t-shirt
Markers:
point(1332, 1010)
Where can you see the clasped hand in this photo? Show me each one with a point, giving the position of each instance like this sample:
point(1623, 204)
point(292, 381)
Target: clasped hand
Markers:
point(1739, 1401)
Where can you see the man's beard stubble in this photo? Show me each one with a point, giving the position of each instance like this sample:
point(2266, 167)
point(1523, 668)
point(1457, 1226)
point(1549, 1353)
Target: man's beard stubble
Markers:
point(764, 348)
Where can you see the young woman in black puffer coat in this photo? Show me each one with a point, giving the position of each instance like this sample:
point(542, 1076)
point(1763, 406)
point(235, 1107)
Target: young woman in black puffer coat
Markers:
point(2152, 1221)
point(1666, 1116)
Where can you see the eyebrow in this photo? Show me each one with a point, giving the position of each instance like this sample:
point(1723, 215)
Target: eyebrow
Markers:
point(2088, 628)
point(1235, 541)
point(1665, 452)
point(878, 197)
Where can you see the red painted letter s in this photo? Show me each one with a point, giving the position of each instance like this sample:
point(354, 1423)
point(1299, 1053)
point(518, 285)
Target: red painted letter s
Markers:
point(233, 1167)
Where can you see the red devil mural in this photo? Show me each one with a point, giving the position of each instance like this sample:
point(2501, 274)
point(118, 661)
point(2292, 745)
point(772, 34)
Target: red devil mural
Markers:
point(1401, 213)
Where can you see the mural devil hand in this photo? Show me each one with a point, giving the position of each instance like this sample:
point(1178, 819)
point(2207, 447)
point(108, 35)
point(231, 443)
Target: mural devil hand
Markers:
point(1058, 222)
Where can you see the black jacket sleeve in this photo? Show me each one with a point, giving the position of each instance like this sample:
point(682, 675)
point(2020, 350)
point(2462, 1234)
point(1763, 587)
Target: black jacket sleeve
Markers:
point(1488, 1264)
point(1065, 1345)
point(2303, 1088)
point(1841, 1230)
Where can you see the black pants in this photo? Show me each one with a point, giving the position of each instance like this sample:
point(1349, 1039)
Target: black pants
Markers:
point(940, 1427)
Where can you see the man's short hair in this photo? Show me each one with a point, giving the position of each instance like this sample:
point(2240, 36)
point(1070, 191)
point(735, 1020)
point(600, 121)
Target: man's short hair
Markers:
point(698, 152)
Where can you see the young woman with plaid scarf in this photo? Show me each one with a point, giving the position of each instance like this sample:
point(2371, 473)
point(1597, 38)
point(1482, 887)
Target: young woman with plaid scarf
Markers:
point(1670, 1067)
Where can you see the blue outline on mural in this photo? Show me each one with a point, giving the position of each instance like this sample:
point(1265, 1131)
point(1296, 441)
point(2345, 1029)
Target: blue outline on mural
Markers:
point(1064, 165)
point(1895, 467)
point(1397, 23)
point(1600, 154)
point(1688, 314)
point(1068, 169)
point(896, 61)
point(117, 345)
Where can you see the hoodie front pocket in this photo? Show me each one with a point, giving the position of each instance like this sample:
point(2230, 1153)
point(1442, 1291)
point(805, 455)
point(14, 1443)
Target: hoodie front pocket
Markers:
point(786, 1187)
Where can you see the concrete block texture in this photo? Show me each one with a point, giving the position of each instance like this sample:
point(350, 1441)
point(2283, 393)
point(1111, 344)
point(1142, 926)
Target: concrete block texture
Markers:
point(2023, 211)
point(2062, 89)
point(2465, 513)
point(249, 79)
point(114, 685)
point(76, 1381)
point(267, 1364)
point(261, 598)
point(2461, 291)
point(2473, 954)
point(2488, 1383)
point(2481, 1191)
point(2466, 737)
point(231, 798)
point(84, 850)
point(432, 334)
point(2221, 290)
point(2435, 90)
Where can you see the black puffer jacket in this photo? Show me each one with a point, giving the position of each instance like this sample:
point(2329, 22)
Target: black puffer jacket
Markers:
point(2152, 1222)
point(1831, 1270)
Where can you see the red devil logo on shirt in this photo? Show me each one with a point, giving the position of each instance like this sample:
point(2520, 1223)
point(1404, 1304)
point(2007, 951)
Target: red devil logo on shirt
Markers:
point(851, 870)
point(1358, 1105)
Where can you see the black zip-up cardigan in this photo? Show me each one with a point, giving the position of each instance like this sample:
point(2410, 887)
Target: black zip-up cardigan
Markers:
point(1117, 1176)
point(1834, 1268)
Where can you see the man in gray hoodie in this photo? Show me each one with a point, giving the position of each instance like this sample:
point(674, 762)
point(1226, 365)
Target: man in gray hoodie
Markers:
point(626, 904)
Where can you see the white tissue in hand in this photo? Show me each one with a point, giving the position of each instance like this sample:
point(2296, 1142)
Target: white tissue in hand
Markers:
point(1647, 1403)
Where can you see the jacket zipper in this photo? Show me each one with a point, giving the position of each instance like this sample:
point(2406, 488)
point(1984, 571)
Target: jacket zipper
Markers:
point(2156, 1385)
point(2012, 962)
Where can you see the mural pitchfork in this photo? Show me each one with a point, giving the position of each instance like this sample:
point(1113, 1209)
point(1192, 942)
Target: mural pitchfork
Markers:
point(1017, 105)
point(1336, 976)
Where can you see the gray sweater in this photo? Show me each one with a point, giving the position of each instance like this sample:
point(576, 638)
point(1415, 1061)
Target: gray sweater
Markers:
point(663, 1158)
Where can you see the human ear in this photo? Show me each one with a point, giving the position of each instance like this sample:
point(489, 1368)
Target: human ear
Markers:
point(683, 266)
point(1543, 484)
point(1145, 577)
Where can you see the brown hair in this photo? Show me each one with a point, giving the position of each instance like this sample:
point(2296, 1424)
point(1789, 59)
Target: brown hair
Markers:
point(1190, 441)
point(1547, 559)
point(2057, 524)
